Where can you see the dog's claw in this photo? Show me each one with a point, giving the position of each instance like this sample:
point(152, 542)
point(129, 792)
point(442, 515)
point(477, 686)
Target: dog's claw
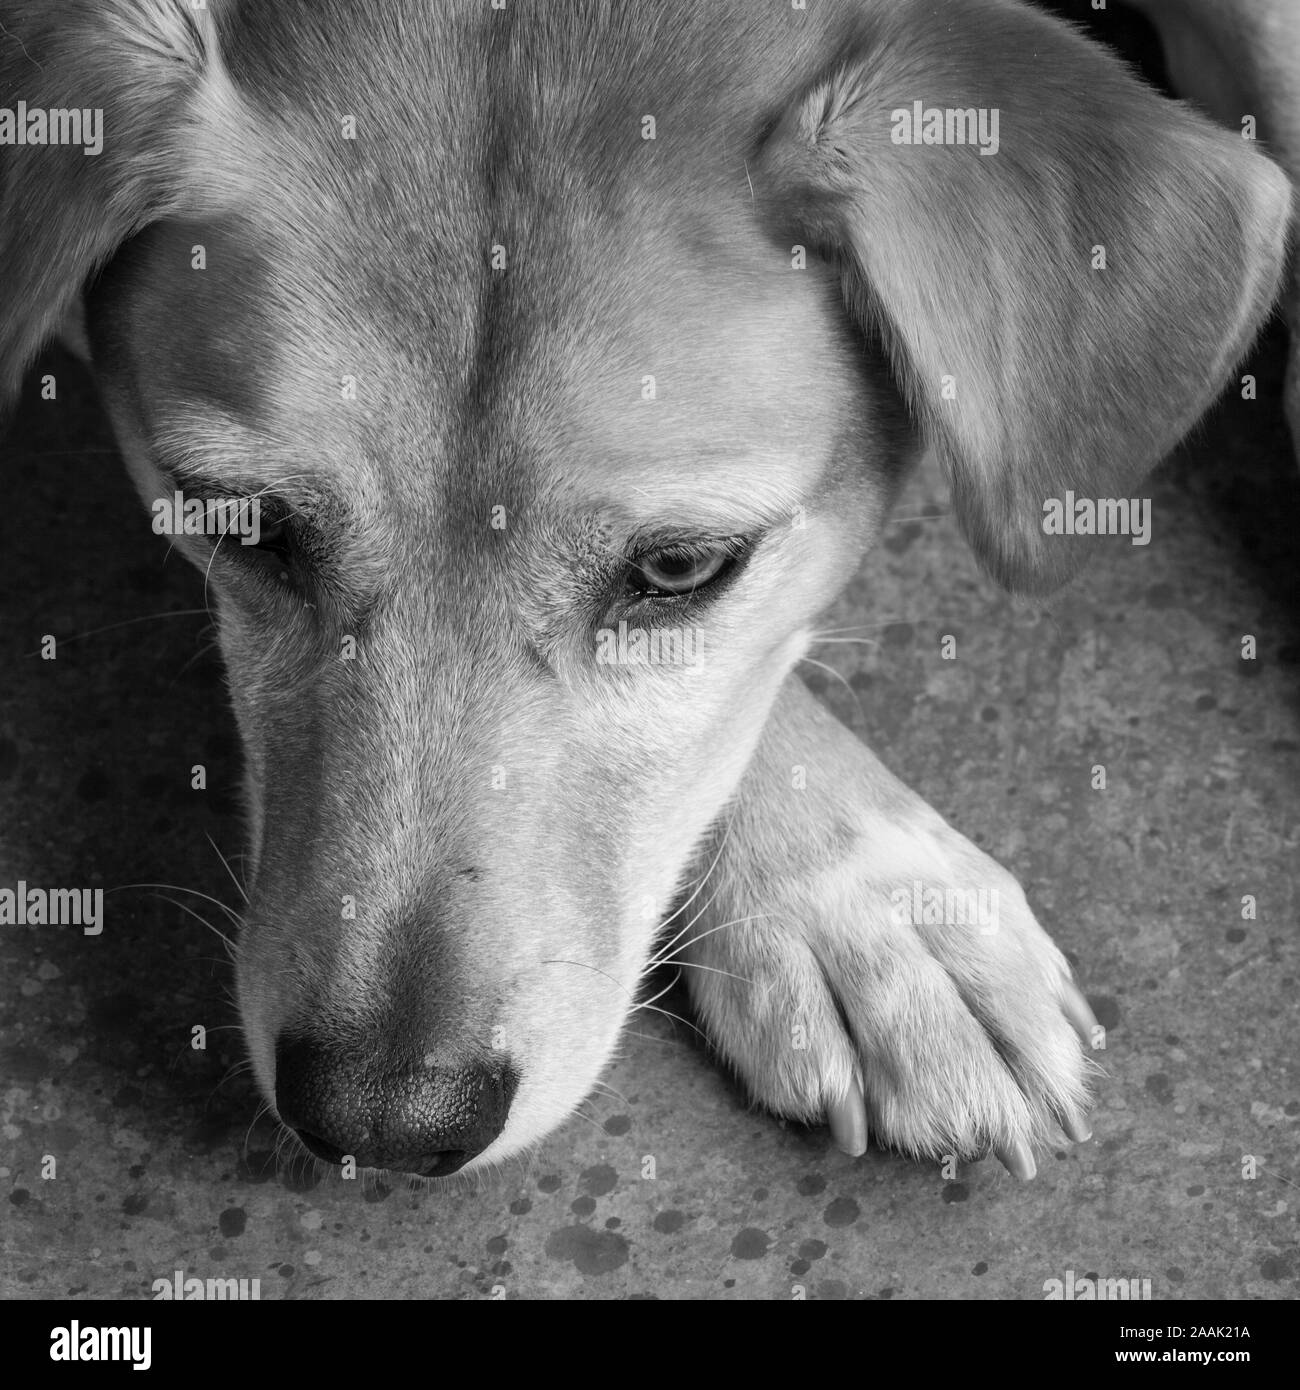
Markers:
point(848, 1121)
point(1017, 1160)
point(1076, 1129)
point(1079, 1012)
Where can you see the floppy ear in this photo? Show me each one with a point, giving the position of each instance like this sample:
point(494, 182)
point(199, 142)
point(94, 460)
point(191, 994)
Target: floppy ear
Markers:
point(1060, 306)
point(64, 210)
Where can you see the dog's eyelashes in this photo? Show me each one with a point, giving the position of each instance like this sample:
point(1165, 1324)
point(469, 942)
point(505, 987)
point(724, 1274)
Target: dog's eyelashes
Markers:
point(253, 528)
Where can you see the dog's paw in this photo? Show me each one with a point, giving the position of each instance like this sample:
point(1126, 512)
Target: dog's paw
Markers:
point(893, 983)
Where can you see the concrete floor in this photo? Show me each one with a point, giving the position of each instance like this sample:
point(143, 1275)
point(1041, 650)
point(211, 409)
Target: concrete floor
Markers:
point(1138, 667)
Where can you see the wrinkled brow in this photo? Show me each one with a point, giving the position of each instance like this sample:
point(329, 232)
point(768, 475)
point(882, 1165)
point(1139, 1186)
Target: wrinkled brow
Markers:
point(207, 450)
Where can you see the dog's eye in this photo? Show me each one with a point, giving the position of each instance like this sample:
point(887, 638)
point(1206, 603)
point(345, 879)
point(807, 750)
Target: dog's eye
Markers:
point(274, 540)
point(273, 557)
point(676, 571)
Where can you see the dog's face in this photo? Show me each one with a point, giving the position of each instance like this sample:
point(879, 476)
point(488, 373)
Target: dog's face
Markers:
point(553, 532)
point(562, 437)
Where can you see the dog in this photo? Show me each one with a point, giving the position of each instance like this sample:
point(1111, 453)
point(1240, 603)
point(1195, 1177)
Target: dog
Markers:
point(568, 355)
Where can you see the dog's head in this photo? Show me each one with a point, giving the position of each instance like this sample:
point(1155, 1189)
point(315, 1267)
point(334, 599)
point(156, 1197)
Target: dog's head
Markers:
point(573, 352)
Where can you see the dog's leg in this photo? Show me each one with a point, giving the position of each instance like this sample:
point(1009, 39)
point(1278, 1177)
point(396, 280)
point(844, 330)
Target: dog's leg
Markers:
point(824, 978)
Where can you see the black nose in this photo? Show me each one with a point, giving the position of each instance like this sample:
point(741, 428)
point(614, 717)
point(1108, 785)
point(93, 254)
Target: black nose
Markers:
point(429, 1119)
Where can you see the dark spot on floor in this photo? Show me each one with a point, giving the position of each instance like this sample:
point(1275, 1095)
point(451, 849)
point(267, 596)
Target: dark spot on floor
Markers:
point(669, 1222)
point(981, 1268)
point(618, 1124)
point(812, 1249)
point(811, 1186)
point(1107, 1010)
point(582, 1206)
point(600, 1180)
point(521, 1206)
point(1159, 1088)
point(232, 1221)
point(134, 1204)
point(1275, 1267)
point(592, 1252)
point(550, 1183)
point(955, 1192)
point(495, 1245)
point(750, 1244)
point(843, 1211)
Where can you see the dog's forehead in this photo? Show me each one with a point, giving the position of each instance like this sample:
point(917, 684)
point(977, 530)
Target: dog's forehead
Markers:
point(524, 236)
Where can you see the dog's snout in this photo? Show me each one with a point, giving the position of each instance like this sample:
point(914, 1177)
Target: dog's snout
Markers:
point(428, 1119)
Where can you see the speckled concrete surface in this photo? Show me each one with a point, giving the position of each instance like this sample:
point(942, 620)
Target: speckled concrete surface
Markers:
point(158, 1165)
